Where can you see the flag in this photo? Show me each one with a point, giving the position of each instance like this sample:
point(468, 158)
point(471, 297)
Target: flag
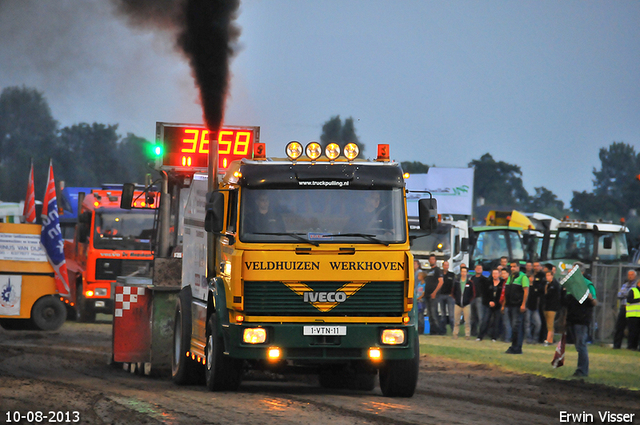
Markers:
point(576, 284)
point(558, 355)
point(51, 236)
point(29, 211)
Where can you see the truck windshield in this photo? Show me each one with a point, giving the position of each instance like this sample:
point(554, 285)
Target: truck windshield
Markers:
point(323, 215)
point(579, 245)
point(492, 245)
point(574, 245)
point(437, 243)
point(121, 229)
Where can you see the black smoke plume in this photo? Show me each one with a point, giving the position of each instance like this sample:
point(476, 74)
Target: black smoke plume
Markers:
point(205, 33)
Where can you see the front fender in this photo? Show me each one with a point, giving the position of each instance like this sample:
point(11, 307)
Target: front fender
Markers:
point(218, 300)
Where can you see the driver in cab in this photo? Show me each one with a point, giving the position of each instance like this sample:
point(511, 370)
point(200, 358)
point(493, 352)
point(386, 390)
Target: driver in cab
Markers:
point(264, 218)
point(369, 219)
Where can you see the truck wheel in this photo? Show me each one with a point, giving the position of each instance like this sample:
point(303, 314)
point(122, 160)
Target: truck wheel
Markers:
point(85, 312)
point(221, 373)
point(398, 378)
point(183, 368)
point(48, 313)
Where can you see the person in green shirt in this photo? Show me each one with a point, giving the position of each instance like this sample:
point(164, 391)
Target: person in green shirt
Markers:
point(515, 304)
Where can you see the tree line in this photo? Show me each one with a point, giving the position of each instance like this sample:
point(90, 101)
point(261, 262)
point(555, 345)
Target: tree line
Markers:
point(88, 155)
point(498, 185)
point(83, 154)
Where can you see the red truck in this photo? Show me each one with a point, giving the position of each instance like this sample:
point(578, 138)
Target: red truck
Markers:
point(108, 242)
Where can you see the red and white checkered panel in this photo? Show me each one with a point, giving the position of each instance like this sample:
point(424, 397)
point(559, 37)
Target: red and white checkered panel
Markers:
point(125, 297)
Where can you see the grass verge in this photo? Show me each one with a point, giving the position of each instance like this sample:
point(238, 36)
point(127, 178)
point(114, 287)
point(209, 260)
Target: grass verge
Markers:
point(617, 368)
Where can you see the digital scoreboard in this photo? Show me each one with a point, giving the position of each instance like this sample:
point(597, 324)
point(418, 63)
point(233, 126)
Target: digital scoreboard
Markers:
point(186, 146)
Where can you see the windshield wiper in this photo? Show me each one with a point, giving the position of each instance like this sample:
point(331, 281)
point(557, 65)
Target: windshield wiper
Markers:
point(372, 238)
point(293, 235)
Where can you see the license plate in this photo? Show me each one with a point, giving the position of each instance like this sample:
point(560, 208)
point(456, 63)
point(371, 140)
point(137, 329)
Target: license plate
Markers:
point(324, 330)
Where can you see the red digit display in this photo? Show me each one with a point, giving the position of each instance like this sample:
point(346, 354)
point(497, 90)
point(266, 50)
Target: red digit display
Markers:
point(187, 146)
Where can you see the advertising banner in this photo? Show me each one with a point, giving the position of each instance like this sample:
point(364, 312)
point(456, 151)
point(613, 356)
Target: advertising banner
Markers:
point(21, 247)
point(10, 291)
point(452, 188)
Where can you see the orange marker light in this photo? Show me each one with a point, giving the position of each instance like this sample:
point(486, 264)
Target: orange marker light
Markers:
point(383, 153)
point(375, 354)
point(273, 353)
point(259, 151)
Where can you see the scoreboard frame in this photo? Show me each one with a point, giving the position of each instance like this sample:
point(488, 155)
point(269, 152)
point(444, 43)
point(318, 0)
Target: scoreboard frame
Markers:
point(185, 147)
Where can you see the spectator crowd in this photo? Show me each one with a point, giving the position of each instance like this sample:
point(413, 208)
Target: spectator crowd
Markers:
point(518, 306)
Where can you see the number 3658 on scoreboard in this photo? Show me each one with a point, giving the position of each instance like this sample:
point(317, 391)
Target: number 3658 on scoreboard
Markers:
point(186, 146)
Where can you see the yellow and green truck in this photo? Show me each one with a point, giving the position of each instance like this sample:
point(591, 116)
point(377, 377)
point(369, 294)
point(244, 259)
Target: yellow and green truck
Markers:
point(300, 265)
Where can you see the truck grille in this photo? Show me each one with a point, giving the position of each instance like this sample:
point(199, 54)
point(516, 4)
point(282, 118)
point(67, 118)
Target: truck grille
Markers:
point(110, 269)
point(374, 299)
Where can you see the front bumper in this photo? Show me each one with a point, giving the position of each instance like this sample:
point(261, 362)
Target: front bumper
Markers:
point(295, 346)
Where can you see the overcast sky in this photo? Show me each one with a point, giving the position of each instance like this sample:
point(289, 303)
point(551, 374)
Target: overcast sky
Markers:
point(540, 84)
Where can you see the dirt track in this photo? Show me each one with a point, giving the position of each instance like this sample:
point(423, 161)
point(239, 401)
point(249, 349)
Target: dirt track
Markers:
point(67, 370)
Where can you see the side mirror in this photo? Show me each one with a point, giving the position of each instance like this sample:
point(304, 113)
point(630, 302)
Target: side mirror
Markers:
point(428, 212)
point(127, 196)
point(464, 245)
point(607, 242)
point(214, 219)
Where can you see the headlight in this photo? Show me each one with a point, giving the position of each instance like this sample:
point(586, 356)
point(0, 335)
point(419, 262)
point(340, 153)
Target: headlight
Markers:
point(101, 292)
point(393, 336)
point(313, 150)
point(294, 150)
point(254, 336)
point(351, 151)
point(332, 151)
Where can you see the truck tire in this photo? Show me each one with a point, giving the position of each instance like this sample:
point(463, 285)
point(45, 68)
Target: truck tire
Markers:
point(48, 313)
point(399, 378)
point(184, 370)
point(222, 373)
point(86, 314)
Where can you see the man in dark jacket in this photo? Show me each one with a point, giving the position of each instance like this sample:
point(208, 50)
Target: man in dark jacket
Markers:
point(444, 299)
point(463, 293)
point(480, 286)
point(432, 287)
point(621, 322)
point(551, 304)
point(491, 300)
point(516, 293)
point(578, 319)
point(532, 320)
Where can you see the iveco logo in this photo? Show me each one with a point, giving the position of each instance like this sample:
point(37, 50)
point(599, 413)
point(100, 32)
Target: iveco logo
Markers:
point(323, 297)
point(325, 301)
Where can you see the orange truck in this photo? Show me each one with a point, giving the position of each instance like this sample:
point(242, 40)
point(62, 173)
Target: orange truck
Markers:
point(108, 242)
point(28, 295)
